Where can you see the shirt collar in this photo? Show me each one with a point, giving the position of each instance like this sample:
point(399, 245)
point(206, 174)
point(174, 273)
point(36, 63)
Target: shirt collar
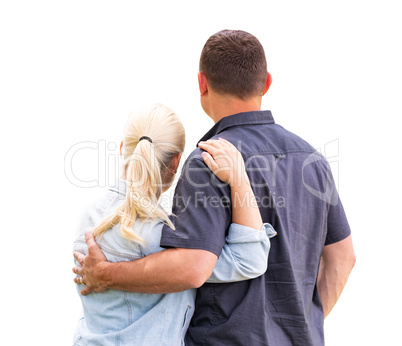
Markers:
point(120, 187)
point(239, 119)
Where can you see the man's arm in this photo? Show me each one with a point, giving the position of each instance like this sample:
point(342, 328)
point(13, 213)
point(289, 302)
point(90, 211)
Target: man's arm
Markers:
point(337, 261)
point(171, 270)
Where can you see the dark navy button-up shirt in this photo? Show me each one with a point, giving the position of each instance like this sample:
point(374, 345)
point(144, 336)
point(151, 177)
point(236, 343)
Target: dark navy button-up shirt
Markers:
point(295, 191)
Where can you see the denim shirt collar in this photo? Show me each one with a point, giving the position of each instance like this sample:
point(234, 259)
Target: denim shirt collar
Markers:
point(119, 187)
point(238, 119)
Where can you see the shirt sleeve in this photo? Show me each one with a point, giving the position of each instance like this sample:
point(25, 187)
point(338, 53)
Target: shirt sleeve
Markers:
point(201, 209)
point(337, 224)
point(244, 255)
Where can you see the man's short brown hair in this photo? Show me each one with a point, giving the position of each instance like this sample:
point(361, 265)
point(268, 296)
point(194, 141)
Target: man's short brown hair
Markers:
point(234, 63)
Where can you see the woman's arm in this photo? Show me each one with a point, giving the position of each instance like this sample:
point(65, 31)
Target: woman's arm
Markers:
point(226, 162)
point(245, 253)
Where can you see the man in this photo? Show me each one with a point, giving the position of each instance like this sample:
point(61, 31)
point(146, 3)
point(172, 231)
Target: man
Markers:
point(310, 259)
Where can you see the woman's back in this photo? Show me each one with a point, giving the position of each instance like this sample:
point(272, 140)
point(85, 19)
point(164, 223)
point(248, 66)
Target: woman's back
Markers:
point(119, 318)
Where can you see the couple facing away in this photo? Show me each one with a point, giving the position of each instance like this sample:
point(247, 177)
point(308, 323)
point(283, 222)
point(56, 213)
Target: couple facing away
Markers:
point(230, 266)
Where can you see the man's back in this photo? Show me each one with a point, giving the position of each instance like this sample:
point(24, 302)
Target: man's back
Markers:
point(295, 192)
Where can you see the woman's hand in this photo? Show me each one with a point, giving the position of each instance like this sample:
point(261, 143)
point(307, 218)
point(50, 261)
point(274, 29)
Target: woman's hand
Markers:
point(225, 161)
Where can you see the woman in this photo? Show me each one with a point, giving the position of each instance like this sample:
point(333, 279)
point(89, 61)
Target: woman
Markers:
point(127, 225)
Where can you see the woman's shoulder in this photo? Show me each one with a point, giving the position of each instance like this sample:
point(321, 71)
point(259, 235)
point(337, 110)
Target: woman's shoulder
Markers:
point(97, 208)
point(118, 249)
point(115, 247)
point(106, 202)
point(151, 233)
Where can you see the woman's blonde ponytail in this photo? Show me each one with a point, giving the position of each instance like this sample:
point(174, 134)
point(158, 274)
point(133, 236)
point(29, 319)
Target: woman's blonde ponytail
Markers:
point(146, 163)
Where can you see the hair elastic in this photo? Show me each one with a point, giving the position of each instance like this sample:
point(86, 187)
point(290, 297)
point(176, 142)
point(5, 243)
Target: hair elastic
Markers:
point(145, 137)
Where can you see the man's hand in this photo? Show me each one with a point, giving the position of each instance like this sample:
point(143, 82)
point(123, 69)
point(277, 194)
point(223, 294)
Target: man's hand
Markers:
point(92, 267)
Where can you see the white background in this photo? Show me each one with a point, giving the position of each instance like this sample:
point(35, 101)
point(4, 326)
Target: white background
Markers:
point(72, 71)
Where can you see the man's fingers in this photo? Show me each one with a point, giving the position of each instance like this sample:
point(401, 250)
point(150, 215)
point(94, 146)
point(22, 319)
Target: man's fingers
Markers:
point(90, 240)
point(85, 291)
point(78, 270)
point(79, 257)
point(93, 248)
point(78, 280)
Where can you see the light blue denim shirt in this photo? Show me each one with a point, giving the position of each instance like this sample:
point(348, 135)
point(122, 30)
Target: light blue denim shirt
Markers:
point(125, 318)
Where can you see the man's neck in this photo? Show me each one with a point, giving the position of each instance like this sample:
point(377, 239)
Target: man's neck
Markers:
point(223, 106)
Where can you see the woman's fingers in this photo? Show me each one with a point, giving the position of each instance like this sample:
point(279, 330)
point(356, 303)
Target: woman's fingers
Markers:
point(216, 147)
point(209, 161)
point(223, 159)
point(209, 147)
point(217, 152)
point(221, 144)
point(218, 144)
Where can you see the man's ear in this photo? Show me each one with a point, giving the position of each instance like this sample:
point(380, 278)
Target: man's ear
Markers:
point(268, 83)
point(202, 83)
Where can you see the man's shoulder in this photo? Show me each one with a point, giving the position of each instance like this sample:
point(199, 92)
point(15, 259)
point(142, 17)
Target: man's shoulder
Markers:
point(195, 155)
point(265, 139)
point(292, 141)
point(195, 162)
point(196, 175)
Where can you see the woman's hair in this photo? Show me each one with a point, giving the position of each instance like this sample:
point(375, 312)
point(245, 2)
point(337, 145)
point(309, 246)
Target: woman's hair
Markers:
point(147, 167)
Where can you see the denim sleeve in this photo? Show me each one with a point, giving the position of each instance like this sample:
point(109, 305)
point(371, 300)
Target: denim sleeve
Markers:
point(244, 255)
